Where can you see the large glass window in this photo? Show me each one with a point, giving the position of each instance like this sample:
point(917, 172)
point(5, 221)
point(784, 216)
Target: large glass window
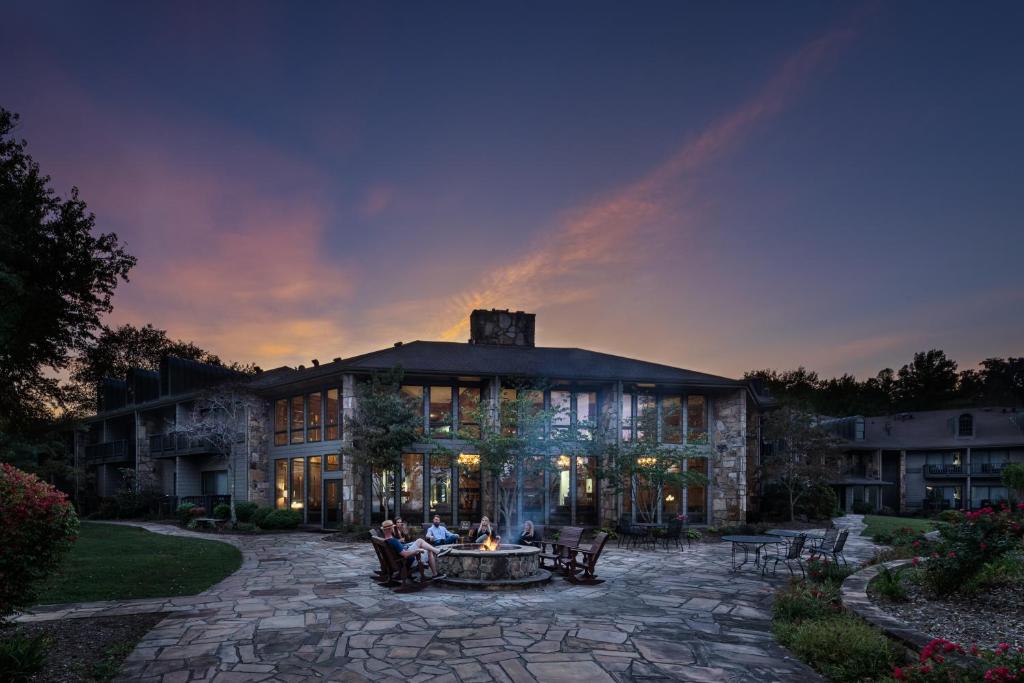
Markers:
point(559, 510)
point(646, 417)
point(469, 406)
point(281, 422)
point(944, 497)
point(314, 509)
point(333, 416)
point(561, 411)
point(298, 419)
point(987, 496)
point(215, 483)
point(533, 489)
point(586, 412)
point(440, 486)
point(696, 495)
point(696, 419)
point(469, 487)
point(646, 497)
point(672, 419)
point(314, 415)
point(441, 412)
point(412, 487)
point(281, 484)
point(586, 490)
point(627, 417)
point(298, 485)
point(413, 397)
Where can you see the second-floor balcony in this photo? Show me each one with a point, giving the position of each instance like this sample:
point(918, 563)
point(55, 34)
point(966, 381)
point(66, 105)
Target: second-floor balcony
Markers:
point(163, 445)
point(988, 469)
point(944, 470)
point(118, 450)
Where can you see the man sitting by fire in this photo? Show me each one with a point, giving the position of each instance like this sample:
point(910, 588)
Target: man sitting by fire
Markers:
point(437, 534)
point(419, 547)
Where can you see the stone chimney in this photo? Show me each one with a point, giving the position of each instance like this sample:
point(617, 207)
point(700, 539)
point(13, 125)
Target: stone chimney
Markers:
point(502, 328)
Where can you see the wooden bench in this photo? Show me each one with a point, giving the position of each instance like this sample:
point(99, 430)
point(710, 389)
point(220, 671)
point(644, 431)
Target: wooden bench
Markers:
point(208, 522)
point(583, 561)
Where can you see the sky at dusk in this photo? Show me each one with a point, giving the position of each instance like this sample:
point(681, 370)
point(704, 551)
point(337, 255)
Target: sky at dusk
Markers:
point(717, 186)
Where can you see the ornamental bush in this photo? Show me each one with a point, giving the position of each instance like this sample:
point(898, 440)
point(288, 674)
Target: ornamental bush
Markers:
point(184, 512)
point(244, 510)
point(842, 647)
point(281, 519)
point(37, 527)
point(946, 662)
point(222, 511)
point(259, 515)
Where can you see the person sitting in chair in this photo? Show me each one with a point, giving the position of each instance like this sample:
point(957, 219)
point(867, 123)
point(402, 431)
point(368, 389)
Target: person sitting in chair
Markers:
point(484, 531)
point(528, 536)
point(410, 551)
point(437, 534)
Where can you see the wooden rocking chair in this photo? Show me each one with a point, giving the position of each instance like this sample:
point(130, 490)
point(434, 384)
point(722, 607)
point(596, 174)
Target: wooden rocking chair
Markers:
point(583, 561)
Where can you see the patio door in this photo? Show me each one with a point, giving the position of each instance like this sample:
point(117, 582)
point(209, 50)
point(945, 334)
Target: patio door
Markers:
point(332, 503)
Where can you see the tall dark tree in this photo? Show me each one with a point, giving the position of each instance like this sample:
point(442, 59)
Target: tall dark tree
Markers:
point(57, 277)
point(116, 350)
point(929, 382)
point(1003, 381)
point(799, 387)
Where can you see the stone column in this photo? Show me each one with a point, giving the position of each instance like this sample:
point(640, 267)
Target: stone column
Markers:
point(353, 479)
point(728, 463)
point(260, 480)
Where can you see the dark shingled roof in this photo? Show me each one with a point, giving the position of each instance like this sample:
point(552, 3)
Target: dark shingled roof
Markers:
point(484, 359)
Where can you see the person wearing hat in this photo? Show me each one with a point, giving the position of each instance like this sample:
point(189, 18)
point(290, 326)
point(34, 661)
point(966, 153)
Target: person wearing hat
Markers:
point(417, 547)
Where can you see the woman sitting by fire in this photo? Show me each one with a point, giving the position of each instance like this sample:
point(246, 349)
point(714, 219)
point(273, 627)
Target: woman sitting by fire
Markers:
point(527, 537)
point(484, 530)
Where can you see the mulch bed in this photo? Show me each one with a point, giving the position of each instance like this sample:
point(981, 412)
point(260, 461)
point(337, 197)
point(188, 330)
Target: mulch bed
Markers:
point(88, 649)
point(985, 618)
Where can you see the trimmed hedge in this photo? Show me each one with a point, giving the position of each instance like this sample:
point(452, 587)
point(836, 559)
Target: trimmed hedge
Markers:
point(281, 519)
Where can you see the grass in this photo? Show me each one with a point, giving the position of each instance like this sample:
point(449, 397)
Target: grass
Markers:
point(110, 562)
point(877, 524)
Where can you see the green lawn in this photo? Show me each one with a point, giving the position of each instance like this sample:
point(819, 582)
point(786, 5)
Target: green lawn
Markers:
point(110, 562)
point(877, 524)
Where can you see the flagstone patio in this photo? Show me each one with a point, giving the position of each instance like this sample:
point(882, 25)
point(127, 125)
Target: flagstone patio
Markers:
point(301, 608)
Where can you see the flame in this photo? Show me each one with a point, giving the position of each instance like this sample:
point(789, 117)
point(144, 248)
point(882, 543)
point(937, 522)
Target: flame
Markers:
point(490, 543)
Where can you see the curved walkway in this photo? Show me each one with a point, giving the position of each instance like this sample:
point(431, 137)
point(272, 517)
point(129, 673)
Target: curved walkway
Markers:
point(301, 608)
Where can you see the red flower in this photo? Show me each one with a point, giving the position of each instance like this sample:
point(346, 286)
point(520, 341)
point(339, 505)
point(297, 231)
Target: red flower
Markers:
point(916, 561)
point(983, 545)
point(951, 554)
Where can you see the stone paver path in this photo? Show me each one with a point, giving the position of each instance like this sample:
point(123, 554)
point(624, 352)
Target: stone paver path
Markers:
point(301, 608)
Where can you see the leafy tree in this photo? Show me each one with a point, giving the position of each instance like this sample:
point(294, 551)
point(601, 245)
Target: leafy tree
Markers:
point(382, 427)
point(1003, 381)
point(220, 419)
point(798, 386)
point(56, 279)
point(928, 382)
point(802, 455)
point(119, 349)
point(1013, 477)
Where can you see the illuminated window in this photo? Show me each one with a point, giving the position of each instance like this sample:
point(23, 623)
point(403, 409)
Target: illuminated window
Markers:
point(441, 412)
point(314, 414)
point(281, 484)
point(333, 462)
point(298, 419)
point(333, 416)
point(469, 406)
point(281, 422)
point(315, 499)
point(297, 495)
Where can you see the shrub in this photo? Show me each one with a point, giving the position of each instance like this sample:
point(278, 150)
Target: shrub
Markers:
point(222, 511)
point(1005, 571)
point(244, 510)
point(184, 512)
point(260, 514)
point(842, 648)
point(281, 519)
point(801, 602)
point(820, 502)
point(821, 570)
point(693, 534)
point(951, 516)
point(862, 507)
point(889, 585)
point(21, 657)
point(37, 526)
point(244, 526)
point(982, 537)
point(939, 660)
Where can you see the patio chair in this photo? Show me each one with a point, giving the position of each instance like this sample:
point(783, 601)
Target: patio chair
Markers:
point(582, 562)
point(788, 553)
point(837, 547)
point(558, 557)
point(629, 534)
point(539, 535)
point(401, 569)
point(826, 541)
point(673, 534)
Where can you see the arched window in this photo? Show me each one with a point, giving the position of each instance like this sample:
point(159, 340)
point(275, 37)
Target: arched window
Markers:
point(966, 425)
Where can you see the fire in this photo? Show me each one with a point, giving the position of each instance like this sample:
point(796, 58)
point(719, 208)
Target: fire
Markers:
point(490, 543)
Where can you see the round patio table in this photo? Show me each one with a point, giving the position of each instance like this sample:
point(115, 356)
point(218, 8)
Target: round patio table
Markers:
point(745, 543)
point(789, 533)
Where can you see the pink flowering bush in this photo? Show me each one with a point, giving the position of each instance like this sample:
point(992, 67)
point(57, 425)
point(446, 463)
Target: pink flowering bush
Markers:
point(981, 537)
point(944, 661)
point(37, 526)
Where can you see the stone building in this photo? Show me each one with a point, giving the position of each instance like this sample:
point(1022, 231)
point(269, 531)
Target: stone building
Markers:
point(293, 456)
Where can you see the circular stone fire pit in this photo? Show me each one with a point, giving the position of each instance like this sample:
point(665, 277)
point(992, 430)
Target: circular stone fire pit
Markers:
point(510, 566)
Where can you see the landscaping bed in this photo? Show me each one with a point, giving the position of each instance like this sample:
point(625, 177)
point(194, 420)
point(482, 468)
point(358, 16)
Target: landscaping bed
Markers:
point(89, 649)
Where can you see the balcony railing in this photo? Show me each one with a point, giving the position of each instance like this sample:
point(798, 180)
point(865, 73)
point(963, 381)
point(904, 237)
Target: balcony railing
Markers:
point(110, 451)
point(993, 469)
point(944, 470)
point(174, 444)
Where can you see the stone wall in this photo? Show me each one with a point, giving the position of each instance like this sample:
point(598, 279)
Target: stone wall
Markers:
point(261, 485)
point(729, 459)
point(502, 327)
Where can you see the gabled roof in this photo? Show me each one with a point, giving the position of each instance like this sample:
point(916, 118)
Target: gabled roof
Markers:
point(430, 357)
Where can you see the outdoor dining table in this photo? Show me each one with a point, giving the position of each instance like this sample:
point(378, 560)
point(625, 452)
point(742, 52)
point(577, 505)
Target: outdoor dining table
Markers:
point(789, 533)
point(745, 542)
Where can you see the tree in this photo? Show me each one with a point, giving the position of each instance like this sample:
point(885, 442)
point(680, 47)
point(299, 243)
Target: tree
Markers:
point(802, 455)
point(514, 432)
point(382, 427)
point(929, 382)
point(220, 419)
point(1013, 478)
point(1003, 381)
point(119, 349)
point(56, 280)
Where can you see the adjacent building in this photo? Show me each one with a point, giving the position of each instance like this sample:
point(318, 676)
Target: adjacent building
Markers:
point(293, 456)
